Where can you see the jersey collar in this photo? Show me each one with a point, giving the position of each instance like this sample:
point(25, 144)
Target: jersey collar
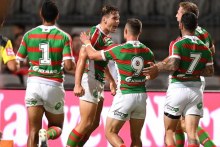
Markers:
point(190, 37)
point(47, 28)
point(99, 27)
point(136, 42)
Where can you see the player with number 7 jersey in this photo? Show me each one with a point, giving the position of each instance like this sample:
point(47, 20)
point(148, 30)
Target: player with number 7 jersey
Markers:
point(194, 57)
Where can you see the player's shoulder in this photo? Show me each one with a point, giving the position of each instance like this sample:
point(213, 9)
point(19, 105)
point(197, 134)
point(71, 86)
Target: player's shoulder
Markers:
point(201, 30)
point(63, 33)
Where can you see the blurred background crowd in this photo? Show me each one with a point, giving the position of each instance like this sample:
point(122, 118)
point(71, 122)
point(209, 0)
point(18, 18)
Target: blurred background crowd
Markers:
point(159, 29)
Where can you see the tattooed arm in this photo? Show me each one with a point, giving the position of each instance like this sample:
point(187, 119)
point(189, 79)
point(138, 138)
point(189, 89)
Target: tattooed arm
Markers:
point(208, 71)
point(171, 64)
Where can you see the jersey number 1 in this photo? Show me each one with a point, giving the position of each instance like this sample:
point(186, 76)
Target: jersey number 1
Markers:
point(45, 60)
point(196, 57)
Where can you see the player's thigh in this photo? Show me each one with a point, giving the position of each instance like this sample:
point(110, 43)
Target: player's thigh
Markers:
point(195, 105)
point(122, 106)
point(99, 110)
point(138, 110)
point(87, 110)
point(191, 123)
point(33, 95)
point(113, 125)
point(35, 114)
point(54, 119)
point(176, 100)
point(53, 98)
point(93, 90)
point(136, 126)
point(170, 124)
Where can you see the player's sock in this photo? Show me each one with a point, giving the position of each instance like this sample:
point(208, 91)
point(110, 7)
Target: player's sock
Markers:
point(193, 145)
point(204, 138)
point(180, 138)
point(74, 138)
point(83, 140)
point(122, 145)
point(53, 132)
point(171, 146)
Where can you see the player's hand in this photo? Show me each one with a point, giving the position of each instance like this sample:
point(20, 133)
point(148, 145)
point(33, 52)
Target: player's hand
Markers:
point(85, 38)
point(151, 72)
point(78, 90)
point(113, 87)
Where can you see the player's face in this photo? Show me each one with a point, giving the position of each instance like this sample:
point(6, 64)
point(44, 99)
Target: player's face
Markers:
point(179, 14)
point(112, 22)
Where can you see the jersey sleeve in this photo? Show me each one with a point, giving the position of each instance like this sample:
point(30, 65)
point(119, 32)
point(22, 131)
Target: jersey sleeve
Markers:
point(22, 51)
point(210, 59)
point(111, 54)
point(174, 51)
point(67, 50)
point(94, 35)
point(7, 52)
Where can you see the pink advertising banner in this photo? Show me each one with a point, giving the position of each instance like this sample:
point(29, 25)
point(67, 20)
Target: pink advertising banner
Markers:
point(14, 121)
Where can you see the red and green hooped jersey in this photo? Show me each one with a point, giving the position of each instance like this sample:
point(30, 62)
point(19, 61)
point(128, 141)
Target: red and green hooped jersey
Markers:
point(99, 41)
point(194, 56)
point(204, 36)
point(46, 48)
point(130, 58)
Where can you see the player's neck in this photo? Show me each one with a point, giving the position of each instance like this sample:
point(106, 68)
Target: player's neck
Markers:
point(104, 29)
point(186, 33)
point(48, 23)
point(132, 38)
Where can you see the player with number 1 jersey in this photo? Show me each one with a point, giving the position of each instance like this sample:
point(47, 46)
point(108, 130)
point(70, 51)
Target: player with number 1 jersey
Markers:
point(48, 49)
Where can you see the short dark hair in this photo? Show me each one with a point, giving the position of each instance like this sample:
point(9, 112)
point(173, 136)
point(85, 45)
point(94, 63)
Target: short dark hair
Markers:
point(189, 7)
point(49, 10)
point(135, 26)
point(108, 9)
point(189, 21)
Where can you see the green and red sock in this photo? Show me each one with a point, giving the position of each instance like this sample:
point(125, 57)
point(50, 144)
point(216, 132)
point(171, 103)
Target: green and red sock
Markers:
point(53, 132)
point(180, 138)
point(74, 138)
point(204, 138)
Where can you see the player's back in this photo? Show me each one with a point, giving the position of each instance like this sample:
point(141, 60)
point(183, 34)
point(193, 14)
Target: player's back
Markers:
point(204, 36)
point(132, 57)
point(194, 57)
point(46, 47)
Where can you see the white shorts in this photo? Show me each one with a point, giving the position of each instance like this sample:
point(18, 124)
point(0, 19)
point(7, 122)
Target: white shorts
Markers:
point(94, 89)
point(184, 99)
point(51, 97)
point(126, 106)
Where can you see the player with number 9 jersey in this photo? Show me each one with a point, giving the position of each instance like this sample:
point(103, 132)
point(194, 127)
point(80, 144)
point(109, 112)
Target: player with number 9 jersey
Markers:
point(130, 58)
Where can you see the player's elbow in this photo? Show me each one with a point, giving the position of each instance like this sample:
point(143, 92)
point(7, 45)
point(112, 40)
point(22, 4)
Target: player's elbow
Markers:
point(69, 65)
point(12, 65)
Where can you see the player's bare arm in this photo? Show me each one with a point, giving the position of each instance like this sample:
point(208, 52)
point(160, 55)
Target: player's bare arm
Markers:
point(168, 64)
point(208, 71)
point(92, 53)
point(111, 80)
point(13, 65)
point(213, 49)
point(171, 65)
point(78, 89)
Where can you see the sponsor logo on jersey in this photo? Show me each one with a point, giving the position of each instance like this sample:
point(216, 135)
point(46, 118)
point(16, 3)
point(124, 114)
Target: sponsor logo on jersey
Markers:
point(123, 115)
point(132, 79)
point(10, 52)
point(36, 68)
